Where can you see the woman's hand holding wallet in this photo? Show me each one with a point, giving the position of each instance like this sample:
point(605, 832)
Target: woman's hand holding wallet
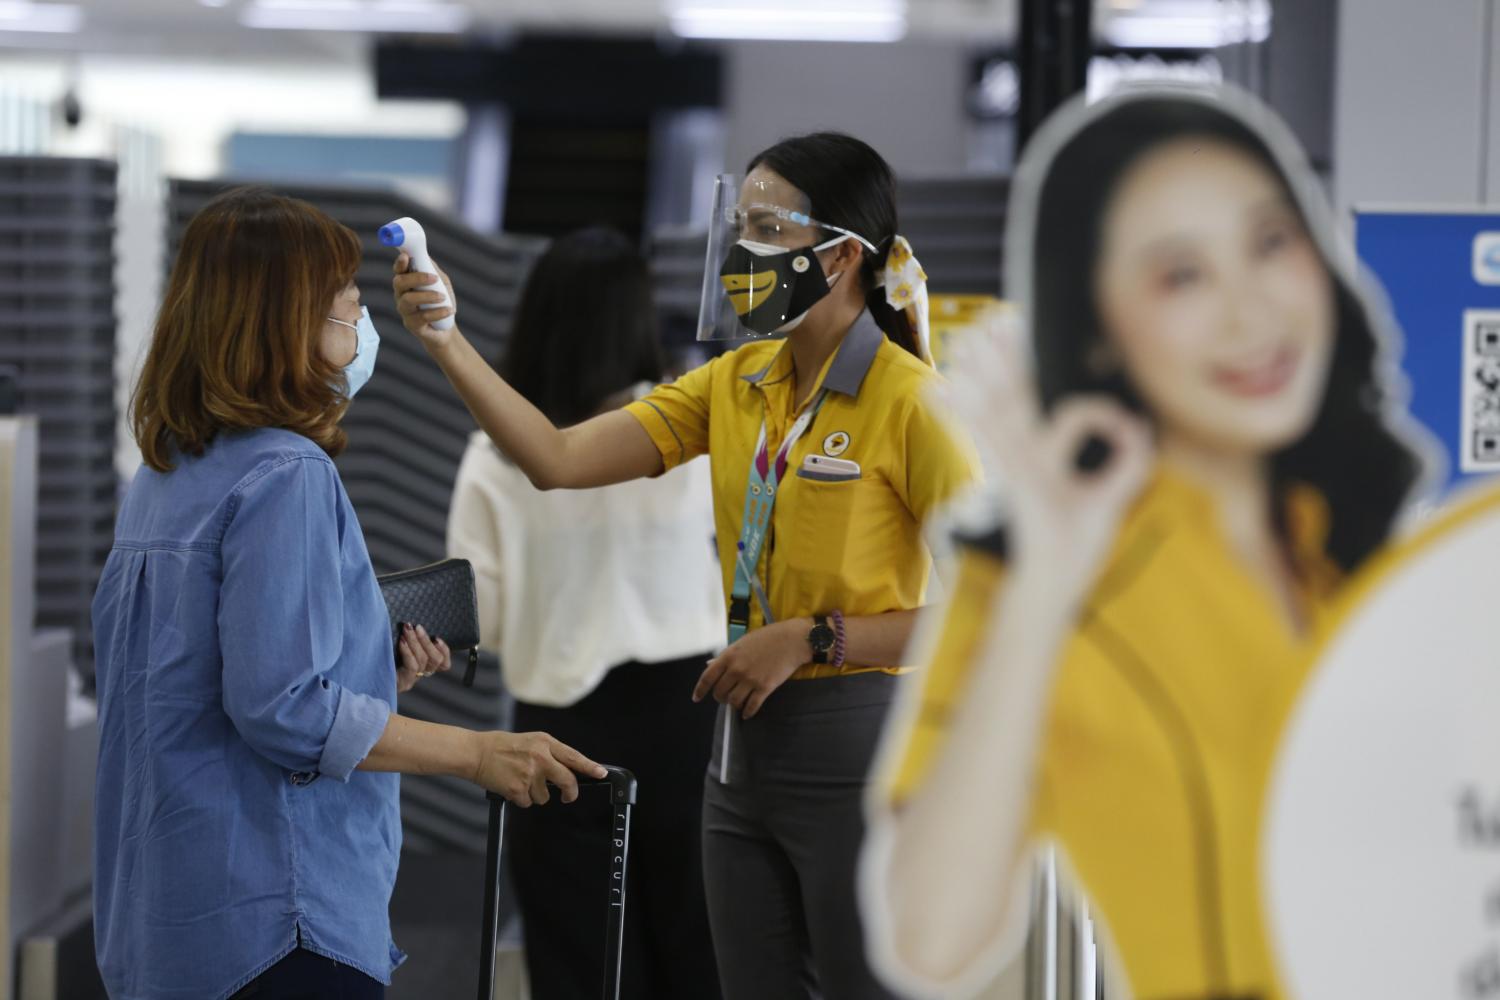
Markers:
point(420, 656)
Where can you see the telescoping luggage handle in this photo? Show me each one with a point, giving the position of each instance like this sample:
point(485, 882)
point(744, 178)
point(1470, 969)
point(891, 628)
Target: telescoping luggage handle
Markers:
point(622, 788)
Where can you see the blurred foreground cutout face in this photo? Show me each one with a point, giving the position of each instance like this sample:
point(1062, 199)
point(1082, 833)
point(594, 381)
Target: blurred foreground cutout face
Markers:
point(1214, 298)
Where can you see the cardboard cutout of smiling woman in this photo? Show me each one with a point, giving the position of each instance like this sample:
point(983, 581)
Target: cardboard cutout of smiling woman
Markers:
point(1201, 441)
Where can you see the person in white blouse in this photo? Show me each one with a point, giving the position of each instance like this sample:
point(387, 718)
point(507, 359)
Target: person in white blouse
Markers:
point(603, 605)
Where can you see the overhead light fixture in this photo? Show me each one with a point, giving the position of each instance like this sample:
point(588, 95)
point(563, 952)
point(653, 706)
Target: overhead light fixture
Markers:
point(998, 93)
point(364, 16)
point(1184, 24)
point(1109, 72)
point(25, 15)
point(790, 20)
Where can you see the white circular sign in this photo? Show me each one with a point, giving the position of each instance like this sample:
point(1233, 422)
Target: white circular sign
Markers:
point(1382, 838)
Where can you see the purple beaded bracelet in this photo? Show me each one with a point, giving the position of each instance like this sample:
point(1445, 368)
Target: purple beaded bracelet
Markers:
point(838, 639)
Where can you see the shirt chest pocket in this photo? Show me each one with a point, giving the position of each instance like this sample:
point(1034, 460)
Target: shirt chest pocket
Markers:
point(826, 521)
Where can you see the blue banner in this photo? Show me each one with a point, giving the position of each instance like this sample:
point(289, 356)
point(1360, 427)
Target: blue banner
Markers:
point(1441, 270)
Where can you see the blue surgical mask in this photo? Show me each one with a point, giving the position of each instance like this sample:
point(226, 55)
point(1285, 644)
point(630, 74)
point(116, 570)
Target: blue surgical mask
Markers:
point(358, 371)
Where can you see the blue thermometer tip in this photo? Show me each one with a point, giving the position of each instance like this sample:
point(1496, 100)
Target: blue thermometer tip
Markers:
point(392, 235)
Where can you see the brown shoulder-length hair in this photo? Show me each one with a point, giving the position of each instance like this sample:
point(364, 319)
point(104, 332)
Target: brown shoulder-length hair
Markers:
point(236, 342)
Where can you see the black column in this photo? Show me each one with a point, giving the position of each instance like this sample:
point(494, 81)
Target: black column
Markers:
point(1055, 44)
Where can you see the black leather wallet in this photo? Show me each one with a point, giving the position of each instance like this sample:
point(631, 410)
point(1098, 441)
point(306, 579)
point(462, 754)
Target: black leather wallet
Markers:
point(441, 598)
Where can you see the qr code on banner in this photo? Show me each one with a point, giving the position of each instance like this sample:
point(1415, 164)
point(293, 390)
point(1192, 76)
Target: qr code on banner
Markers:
point(1480, 435)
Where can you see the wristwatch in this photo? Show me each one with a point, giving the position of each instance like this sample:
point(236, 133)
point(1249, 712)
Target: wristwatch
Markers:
point(820, 639)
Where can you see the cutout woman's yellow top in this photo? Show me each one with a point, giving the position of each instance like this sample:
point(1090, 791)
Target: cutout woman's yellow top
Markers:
point(1167, 705)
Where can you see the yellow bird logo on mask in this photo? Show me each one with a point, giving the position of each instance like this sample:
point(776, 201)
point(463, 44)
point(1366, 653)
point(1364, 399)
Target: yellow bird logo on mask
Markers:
point(747, 291)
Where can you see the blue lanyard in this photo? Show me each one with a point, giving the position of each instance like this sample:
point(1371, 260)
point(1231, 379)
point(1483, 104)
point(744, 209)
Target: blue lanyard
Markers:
point(760, 499)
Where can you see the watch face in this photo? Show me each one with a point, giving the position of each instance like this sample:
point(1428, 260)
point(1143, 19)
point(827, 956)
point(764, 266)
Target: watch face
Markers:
point(821, 638)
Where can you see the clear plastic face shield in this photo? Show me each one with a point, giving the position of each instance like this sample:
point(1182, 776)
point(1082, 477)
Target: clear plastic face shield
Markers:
point(763, 272)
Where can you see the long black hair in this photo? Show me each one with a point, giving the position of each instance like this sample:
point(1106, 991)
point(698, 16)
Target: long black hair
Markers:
point(1351, 454)
point(585, 329)
point(848, 184)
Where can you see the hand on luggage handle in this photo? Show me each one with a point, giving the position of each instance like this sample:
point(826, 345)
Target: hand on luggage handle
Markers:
point(621, 782)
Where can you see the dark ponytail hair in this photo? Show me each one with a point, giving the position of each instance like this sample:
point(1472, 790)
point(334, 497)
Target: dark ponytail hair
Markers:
point(848, 184)
point(585, 328)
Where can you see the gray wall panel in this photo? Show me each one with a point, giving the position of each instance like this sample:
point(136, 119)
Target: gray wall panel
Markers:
point(57, 326)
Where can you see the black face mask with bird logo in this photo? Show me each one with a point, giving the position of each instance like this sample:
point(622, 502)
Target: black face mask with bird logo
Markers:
point(771, 287)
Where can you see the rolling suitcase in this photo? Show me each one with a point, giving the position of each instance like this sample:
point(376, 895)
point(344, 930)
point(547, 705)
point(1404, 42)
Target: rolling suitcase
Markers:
point(621, 784)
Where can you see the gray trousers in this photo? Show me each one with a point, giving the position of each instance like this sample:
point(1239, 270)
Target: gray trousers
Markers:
point(781, 841)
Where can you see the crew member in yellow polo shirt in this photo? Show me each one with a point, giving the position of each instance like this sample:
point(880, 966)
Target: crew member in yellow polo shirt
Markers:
point(1202, 459)
point(826, 459)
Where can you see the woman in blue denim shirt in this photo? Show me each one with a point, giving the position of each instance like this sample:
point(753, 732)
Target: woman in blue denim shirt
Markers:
point(247, 826)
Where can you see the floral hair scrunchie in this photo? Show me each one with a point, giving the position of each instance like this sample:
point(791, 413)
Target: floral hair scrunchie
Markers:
point(906, 290)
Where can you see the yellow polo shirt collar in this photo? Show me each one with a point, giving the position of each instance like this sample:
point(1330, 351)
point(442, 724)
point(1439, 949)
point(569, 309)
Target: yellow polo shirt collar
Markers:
point(844, 371)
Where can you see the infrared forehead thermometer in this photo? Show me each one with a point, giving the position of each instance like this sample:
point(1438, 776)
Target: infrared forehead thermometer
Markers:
point(406, 234)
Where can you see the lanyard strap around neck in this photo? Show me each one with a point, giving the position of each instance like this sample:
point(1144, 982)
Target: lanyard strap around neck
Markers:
point(760, 499)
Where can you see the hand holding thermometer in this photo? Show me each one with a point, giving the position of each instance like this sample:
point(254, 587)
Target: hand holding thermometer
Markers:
point(406, 234)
